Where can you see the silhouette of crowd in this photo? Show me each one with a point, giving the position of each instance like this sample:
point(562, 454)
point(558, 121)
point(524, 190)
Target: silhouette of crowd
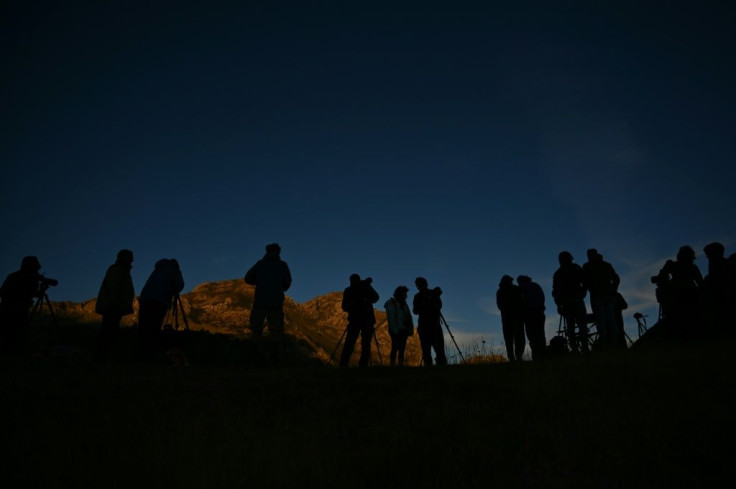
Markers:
point(691, 307)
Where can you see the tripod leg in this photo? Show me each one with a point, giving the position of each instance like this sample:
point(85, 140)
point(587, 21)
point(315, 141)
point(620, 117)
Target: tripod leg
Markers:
point(332, 357)
point(447, 326)
point(183, 315)
point(378, 348)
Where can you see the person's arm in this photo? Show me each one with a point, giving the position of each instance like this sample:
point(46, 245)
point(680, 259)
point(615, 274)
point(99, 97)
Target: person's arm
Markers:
point(251, 276)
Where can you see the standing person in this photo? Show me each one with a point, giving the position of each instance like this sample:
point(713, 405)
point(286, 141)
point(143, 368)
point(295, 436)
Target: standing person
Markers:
point(679, 285)
point(602, 281)
point(717, 291)
point(357, 300)
point(162, 286)
point(114, 300)
point(619, 339)
point(427, 306)
point(568, 292)
point(400, 323)
point(271, 277)
point(533, 315)
point(510, 302)
point(17, 293)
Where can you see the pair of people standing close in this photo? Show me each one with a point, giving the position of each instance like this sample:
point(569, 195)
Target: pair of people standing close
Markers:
point(270, 275)
point(115, 300)
point(358, 300)
point(522, 308)
point(571, 283)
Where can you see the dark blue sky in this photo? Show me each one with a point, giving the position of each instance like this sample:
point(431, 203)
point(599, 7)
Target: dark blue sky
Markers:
point(455, 141)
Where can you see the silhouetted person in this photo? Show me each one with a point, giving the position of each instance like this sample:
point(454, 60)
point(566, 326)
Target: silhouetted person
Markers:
point(602, 282)
point(533, 315)
point(114, 300)
point(718, 287)
point(619, 337)
point(164, 283)
point(271, 277)
point(568, 292)
point(17, 294)
point(679, 288)
point(427, 306)
point(400, 323)
point(357, 301)
point(510, 302)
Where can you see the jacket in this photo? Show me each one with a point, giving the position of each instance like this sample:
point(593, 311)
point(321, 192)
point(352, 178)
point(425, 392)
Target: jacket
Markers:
point(399, 316)
point(164, 282)
point(271, 277)
point(116, 293)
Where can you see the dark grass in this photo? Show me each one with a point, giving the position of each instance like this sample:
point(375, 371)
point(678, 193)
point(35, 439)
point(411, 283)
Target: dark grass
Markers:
point(651, 418)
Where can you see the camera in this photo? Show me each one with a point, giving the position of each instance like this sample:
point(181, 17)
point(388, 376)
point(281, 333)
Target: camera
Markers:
point(663, 276)
point(45, 282)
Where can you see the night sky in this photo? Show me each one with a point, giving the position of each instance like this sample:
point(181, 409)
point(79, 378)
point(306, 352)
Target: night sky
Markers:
point(454, 141)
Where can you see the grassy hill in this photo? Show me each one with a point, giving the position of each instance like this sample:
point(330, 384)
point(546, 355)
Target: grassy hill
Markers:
point(660, 417)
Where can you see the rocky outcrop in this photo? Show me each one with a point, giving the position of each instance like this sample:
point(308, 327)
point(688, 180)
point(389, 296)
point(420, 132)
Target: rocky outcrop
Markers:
point(224, 307)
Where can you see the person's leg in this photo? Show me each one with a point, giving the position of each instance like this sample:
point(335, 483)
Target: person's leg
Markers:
point(257, 320)
point(108, 333)
point(425, 340)
point(402, 347)
point(438, 343)
point(366, 337)
point(351, 337)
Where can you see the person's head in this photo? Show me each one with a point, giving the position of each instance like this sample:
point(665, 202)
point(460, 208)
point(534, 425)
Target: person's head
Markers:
point(421, 283)
point(30, 264)
point(273, 249)
point(401, 292)
point(592, 254)
point(506, 280)
point(714, 250)
point(565, 258)
point(125, 257)
point(355, 279)
point(686, 254)
point(523, 279)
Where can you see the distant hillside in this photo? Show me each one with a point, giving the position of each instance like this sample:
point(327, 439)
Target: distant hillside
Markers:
point(224, 307)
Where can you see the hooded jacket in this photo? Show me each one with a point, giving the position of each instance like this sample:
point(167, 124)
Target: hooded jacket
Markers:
point(164, 283)
point(116, 293)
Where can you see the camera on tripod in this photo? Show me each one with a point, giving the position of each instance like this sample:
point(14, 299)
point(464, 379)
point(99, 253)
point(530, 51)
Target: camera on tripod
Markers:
point(45, 282)
point(664, 274)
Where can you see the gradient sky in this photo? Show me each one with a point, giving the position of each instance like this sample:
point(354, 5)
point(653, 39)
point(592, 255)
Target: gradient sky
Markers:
point(455, 141)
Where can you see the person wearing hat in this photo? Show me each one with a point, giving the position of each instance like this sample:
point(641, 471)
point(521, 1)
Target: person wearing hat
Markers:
point(271, 277)
point(357, 301)
point(162, 286)
point(114, 300)
point(568, 292)
point(427, 306)
point(17, 293)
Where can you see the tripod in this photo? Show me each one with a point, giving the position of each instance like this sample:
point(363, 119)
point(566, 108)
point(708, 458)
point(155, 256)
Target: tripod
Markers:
point(447, 326)
point(176, 308)
point(42, 298)
point(345, 332)
point(582, 340)
point(641, 323)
